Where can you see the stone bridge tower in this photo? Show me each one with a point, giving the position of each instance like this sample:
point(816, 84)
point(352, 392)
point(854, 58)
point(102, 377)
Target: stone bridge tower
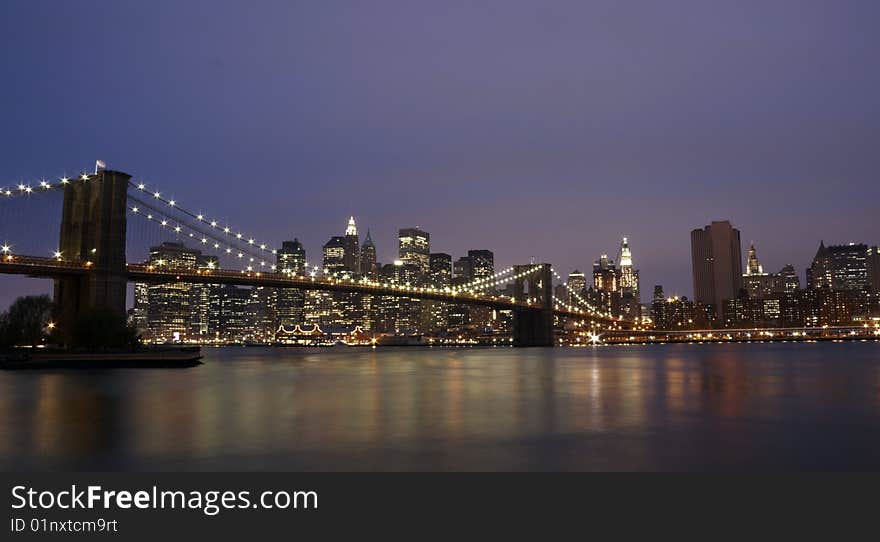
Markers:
point(533, 327)
point(93, 224)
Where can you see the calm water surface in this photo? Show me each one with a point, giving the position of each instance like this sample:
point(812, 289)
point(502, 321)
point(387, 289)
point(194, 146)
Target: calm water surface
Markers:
point(662, 407)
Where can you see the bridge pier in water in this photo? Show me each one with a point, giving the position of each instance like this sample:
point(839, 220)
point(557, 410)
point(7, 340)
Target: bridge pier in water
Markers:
point(533, 327)
point(93, 226)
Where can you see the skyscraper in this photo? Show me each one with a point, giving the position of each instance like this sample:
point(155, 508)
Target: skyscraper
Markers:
point(440, 273)
point(716, 257)
point(415, 248)
point(606, 285)
point(291, 258)
point(630, 305)
point(368, 257)
point(170, 307)
point(334, 255)
point(439, 276)
point(840, 267)
point(351, 257)
point(756, 282)
point(461, 269)
point(290, 302)
point(874, 268)
point(577, 283)
point(482, 264)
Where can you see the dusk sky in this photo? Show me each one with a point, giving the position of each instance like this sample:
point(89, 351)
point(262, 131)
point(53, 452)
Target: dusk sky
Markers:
point(533, 129)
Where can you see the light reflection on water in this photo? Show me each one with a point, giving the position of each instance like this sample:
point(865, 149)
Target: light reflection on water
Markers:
point(714, 406)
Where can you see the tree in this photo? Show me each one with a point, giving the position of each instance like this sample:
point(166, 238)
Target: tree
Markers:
point(26, 320)
point(103, 328)
point(4, 329)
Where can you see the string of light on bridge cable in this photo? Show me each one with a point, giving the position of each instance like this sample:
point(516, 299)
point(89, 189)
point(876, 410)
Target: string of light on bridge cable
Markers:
point(585, 303)
point(163, 222)
point(143, 208)
point(44, 185)
point(238, 236)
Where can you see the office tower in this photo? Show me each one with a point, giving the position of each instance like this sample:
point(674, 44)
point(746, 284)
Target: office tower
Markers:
point(671, 313)
point(630, 304)
point(398, 314)
point(717, 264)
point(577, 285)
point(757, 283)
point(753, 266)
point(440, 270)
point(482, 264)
point(840, 267)
point(462, 269)
point(169, 307)
point(439, 276)
point(629, 277)
point(351, 245)
point(607, 294)
point(415, 248)
point(788, 280)
point(334, 256)
point(234, 324)
point(605, 276)
point(290, 302)
point(139, 312)
point(368, 258)
point(291, 258)
point(261, 314)
point(202, 295)
point(874, 268)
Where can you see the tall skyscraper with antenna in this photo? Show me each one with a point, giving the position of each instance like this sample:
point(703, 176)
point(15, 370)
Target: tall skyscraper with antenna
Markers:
point(351, 244)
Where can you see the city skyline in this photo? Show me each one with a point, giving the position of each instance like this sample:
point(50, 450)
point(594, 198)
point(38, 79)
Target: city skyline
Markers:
point(572, 114)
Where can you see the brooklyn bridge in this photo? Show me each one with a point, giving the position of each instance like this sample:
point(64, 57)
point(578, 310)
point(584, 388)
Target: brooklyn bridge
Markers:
point(90, 268)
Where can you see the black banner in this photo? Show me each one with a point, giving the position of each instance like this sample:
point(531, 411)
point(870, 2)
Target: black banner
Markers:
point(140, 506)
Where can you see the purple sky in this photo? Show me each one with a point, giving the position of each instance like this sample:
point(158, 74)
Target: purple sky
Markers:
point(545, 129)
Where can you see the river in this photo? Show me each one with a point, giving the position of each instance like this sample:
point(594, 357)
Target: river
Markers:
point(792, 406)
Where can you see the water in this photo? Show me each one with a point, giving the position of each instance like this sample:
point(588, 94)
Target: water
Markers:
point(660, 407)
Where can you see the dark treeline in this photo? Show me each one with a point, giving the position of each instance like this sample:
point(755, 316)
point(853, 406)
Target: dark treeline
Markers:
point(29, 322)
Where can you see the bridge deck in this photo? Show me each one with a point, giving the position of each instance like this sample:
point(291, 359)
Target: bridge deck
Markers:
point(55, 268)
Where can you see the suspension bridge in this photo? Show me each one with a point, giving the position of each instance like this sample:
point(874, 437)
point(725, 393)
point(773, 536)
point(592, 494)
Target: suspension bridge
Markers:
point(90, 268)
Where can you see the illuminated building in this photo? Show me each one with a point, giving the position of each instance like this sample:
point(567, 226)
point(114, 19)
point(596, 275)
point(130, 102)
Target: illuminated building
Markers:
point(414, 247)
point(334, 256)
point(606, 285)
point(717, 264)
point(290, 302)
point(440, 270)
point(201, 328)
point(671, 313)
point(337, 308)
point(439, 276)
point(841, 267)
point(630, 303)
point(351, 248)
point(788, 279)
point(170, 307)
point(369, 263)
point(874, 268)
point(756, 282)
point(482, 265)
point(291, 258)
point(232, 314)
point(398, 314)
point(462, 269)
point(577, 285)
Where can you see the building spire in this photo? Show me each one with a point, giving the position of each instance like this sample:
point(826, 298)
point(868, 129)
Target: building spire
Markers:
point(753, 266)
point(351, 229)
